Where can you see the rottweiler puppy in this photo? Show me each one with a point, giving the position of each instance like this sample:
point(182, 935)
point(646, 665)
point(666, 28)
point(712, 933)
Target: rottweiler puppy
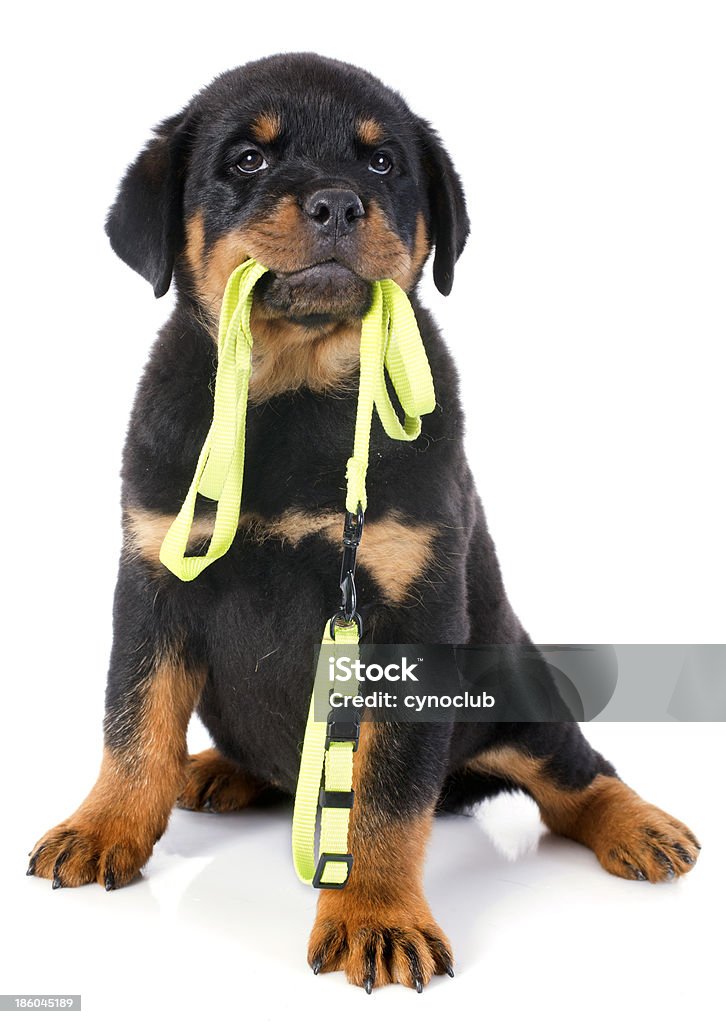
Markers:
point(324, 175)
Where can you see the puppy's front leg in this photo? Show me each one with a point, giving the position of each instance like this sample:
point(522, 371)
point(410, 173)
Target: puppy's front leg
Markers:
point(379, 928)
point(151, 693)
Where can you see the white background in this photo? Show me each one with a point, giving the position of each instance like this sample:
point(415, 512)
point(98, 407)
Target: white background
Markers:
point(587, 319)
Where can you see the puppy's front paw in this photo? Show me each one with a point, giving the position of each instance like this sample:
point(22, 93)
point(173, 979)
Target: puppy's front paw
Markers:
point(215, 784)
point(388, 945)
point(635, 839)
point(78, 851)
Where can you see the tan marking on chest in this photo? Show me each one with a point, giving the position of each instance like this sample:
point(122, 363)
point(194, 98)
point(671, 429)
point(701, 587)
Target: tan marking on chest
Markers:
point(395, 553)
point(286, 357)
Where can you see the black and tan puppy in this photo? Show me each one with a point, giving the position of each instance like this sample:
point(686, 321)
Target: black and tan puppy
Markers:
point(324, 175)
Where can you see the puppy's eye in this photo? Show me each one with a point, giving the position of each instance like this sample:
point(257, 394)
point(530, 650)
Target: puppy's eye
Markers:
point(381, 163)
point(251, 161)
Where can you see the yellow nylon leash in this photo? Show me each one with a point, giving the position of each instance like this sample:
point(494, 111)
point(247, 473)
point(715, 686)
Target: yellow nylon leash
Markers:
point(220, 467)
point(390, 345)
point(330, 761)
point(389, 341)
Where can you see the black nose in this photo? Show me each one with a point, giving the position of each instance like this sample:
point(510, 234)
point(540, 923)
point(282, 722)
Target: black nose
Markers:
point(334, 210)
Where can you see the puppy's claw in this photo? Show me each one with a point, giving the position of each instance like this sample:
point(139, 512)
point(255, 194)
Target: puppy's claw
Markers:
point(317, 964)
point(60, 861)
point(450, 971)
point(683, 854)
point(368, 984)
point(34, 859)
point(109, 880)
point(663, 859)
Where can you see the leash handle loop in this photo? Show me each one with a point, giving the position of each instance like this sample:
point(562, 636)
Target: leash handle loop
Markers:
point(326, 766)
point(220, 468)
point(390, 344)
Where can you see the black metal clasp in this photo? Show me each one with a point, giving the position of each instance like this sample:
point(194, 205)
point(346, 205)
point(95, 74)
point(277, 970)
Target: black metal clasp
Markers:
point(352, 533)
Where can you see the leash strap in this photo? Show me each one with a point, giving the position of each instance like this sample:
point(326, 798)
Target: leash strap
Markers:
point(220, 467)
point(325, 781)
point(390, 343)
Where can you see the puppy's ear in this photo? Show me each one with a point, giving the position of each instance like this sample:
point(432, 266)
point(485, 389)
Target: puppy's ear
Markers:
point(145, 222)
point(449, 219)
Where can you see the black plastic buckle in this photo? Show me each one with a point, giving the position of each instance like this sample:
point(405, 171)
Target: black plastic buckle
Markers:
point(343, 729)
point(332, 858)
point(336, 799)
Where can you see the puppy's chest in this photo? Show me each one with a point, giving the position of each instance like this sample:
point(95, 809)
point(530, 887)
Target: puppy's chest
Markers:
point(293, 502)
point(395, 552)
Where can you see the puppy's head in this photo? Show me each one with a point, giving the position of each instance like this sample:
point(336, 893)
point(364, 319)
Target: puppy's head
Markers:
point(309, 165)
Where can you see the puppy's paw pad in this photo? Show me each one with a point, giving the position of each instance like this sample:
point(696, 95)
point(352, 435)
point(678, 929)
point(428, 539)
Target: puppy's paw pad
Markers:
point(376, 953)
point(73, 854)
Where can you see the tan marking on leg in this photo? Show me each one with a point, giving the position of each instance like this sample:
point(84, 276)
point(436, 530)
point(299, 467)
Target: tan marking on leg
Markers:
point(267, 127)
point(627, 834)
point(213, 783)
point(369, 131)
point(111, 835)
point(381, 918)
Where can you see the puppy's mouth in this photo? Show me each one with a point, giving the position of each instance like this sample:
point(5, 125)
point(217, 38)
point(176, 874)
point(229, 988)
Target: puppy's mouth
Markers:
point(316, 294)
